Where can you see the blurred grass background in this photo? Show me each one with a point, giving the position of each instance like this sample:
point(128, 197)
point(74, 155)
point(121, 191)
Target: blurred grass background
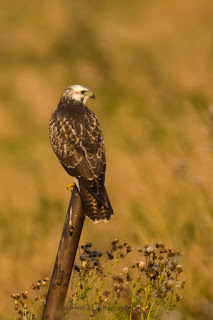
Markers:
point(150, 65)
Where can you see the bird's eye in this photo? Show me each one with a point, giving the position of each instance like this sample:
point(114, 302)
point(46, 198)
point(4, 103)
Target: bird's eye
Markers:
point(83, 92)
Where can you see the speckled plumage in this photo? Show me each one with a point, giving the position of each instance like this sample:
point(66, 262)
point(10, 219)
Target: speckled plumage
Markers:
point(77, 140)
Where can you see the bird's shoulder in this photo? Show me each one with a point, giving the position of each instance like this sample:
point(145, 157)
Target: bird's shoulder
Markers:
point(73, 119)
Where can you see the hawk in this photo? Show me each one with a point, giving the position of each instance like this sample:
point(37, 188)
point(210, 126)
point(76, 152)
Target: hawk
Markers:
point(78, 142)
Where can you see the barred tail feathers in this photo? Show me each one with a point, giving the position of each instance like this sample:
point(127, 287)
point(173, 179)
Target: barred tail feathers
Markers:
point(92, 208)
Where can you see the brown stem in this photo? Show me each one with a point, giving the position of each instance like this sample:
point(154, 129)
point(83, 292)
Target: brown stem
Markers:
point(65, 259)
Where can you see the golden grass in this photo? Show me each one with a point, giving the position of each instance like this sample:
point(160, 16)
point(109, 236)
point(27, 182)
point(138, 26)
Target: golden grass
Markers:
point(149, 64)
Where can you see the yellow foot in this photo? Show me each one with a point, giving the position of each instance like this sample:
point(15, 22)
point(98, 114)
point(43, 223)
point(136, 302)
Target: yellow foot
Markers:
point(70, 186)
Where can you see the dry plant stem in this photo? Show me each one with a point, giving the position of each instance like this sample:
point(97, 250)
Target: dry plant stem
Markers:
point(65, 259)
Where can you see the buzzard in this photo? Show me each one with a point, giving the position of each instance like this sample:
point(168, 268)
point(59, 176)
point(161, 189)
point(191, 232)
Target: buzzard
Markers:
point(78, 142)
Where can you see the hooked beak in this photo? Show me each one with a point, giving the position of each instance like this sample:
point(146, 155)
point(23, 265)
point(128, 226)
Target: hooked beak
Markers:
point(92, 95)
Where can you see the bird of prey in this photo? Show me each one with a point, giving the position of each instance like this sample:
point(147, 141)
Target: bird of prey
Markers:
point(78, 142)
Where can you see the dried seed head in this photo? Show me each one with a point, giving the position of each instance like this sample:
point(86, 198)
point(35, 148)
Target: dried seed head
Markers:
point(141, 265)
point(136, 263)
point(46, 278)
point(149, 249)
point(179, 268)
point(33, 286)
point(24, 295)
point(139, 249)
point(16, 295)
point(106, 293)
point(178, 297)
point(171, 253)
point(128, 249)
point(160, 244)
point(16, 304)
point(169, 283)
point(125, 270)
point(120, 278)
point(88, 245)
point(76, 267)
point(110, 256)
point(114, 242)
point(128, 278)
point(116, 286)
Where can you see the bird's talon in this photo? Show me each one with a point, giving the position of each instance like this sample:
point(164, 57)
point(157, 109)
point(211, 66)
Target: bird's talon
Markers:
point(70, 186)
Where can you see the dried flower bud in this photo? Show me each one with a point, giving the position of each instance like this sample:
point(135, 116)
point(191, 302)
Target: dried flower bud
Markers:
point(76, 267)
point(149, 249)
point(110, 256)
point(116, 286)
point(169, 283)
point(114, 242)
point(171, 253)
point(88, 244)
point(128, 249)
point(179, 268)
point(46, 278)
point(120, 278)
point(139, 249)
point(16, 295)
point(160, 244)
point(141, 265)
point(16, 304)
point(136, 263)
point(24, 295)
point(178, 297)
point(128, 278)
point(125, 270)
point(106, 293)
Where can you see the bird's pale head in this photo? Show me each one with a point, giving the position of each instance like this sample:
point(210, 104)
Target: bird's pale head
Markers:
point(78, 93)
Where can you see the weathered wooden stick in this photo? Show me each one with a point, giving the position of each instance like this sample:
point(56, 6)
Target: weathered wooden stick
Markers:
point(65, 258)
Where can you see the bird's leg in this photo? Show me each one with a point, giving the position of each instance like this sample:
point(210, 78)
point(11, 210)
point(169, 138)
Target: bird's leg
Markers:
point(70, 186)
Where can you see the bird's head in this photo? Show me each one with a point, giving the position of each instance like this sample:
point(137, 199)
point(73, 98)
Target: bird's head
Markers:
point(78, 93)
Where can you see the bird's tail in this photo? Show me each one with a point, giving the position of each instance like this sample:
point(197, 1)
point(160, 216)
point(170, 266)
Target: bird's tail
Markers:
point(92, 208)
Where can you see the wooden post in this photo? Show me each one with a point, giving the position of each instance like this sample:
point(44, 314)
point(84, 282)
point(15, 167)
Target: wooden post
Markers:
point(65, 259)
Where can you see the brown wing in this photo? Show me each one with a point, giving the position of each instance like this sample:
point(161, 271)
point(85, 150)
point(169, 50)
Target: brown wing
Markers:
point(77, 140)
